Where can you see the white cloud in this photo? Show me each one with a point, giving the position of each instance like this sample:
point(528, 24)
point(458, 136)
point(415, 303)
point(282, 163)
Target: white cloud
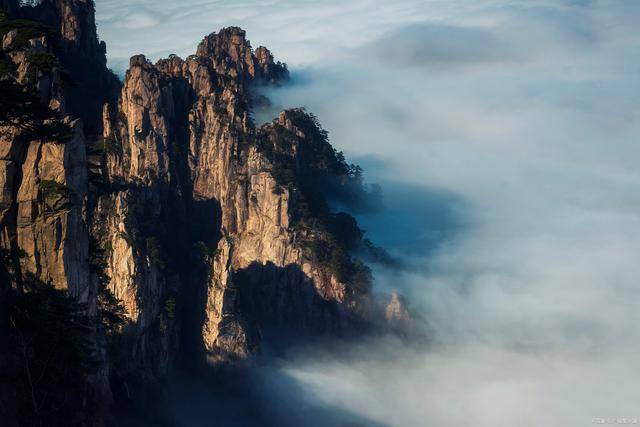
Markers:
point(517, 125)
point(138, 21)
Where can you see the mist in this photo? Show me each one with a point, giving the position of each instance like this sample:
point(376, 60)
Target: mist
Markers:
point(505, 137)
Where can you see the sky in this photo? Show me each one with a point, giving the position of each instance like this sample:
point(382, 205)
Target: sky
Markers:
point(505, 134)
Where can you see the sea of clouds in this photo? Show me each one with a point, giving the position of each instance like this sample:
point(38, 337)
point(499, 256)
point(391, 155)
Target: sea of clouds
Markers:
point(506, 135)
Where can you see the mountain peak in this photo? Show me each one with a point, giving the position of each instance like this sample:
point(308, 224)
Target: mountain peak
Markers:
point(183, 229)
point(229, 50)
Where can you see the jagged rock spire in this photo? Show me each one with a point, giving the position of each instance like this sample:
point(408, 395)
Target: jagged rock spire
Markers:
point(232, 52)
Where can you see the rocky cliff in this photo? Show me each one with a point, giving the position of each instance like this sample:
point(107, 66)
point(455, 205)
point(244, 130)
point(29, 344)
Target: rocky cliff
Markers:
point(191, 174)
point(185, 230)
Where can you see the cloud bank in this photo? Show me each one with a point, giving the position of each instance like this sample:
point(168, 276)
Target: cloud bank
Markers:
point(506, 136)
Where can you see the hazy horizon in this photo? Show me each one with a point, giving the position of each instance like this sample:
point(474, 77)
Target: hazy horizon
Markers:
point(505, 136)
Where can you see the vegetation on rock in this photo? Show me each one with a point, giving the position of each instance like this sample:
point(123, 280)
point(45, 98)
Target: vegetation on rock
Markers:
point(55, 196)
point(25, 30)
point(304, 162)
point(21, 108)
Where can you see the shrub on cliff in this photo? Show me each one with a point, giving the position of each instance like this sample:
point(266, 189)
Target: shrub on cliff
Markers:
point(22, 109)
point(55, 197)
point(20, 104)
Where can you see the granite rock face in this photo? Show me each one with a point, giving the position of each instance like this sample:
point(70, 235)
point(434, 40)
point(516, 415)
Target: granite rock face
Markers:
point(44, 181)
point(183, 137)
point(213, 234)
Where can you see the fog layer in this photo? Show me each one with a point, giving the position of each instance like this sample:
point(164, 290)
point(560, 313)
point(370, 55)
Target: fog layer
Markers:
point(506, 136)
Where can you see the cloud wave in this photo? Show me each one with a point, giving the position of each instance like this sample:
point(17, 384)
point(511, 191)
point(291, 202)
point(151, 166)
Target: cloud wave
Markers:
point(506, 135)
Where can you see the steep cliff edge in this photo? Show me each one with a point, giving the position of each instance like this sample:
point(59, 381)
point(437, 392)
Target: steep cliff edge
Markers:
point(182, 140)
point(48, 112)
point(185, 230)
point(43, 167)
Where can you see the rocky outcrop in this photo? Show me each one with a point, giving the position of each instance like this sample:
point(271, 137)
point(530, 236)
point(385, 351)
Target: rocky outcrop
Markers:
point(230, 54)
point(51, 227)
point(43, 167)
point(88, 83)
point(183, 130)
point(160, 198)
point(397, 314)
point(47, 109)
